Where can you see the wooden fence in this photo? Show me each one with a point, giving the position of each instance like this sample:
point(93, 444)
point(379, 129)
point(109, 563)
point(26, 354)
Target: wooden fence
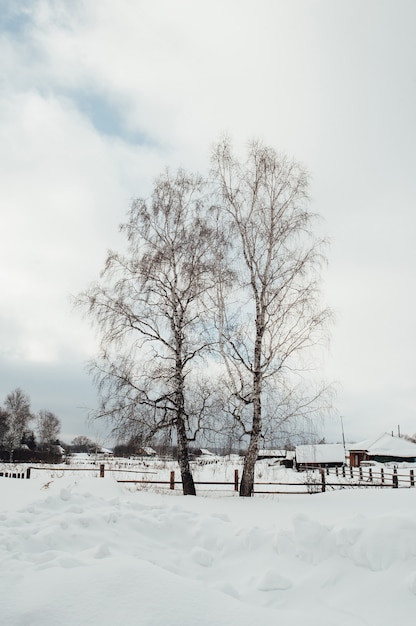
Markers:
point(377, 476)
point(315, 481)
point(13, 475)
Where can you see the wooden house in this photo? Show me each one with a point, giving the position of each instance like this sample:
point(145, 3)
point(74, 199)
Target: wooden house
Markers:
point(384, 449)
point(277, 457)
point(271, 454)
point(319, 455)
point(146, 451)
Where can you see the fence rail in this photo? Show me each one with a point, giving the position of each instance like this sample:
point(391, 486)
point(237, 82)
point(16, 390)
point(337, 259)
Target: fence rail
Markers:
point(380, 476)
point(13, 474)
point(315, 480)
point(312, 484)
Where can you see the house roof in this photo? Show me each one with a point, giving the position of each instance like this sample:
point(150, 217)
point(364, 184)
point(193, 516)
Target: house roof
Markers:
point(278, 453)
point(320, 453)
point(149, 451)
point(386, 445)
point(206, 452)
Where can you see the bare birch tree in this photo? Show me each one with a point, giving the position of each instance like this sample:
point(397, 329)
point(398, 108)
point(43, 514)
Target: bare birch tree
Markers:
point(273, 314)
point(17, 406)
point(4, 426)
point(48, 427)
point(150, 308)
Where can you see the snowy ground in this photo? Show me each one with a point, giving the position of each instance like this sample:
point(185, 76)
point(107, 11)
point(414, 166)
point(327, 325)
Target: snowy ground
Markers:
point(215, 474)
point(78, 551)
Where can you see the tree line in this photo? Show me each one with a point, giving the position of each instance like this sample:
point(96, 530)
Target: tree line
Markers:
point(16, 432)
point(209, 319)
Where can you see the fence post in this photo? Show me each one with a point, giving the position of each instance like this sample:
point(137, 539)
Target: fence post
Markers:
point(382, 475)
point(412, 478)
point(102, 470)
point(395, 479)
point(172, 479)
point(360, 469)
point(343, 471)
point(236, 480)
point(370, 474)
point(323, 480)
point(351, 471)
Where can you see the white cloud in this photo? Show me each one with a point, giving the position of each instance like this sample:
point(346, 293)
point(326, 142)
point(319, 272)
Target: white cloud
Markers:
point(96, 98)
point(64, 198)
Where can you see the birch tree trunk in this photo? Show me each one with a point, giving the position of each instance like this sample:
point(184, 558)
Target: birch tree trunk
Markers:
point(151, 309)
point(276, 260)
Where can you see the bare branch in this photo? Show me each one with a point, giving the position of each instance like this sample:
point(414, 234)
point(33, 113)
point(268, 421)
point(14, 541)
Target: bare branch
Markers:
point(277, 260)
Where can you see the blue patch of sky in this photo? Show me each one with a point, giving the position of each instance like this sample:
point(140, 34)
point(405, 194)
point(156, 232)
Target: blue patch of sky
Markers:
point(15, 16)
point(107, 117)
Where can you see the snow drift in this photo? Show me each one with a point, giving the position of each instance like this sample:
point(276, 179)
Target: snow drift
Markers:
point(89, 552)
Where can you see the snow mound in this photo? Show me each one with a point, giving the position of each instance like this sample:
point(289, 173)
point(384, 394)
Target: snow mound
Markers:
point(90, 552)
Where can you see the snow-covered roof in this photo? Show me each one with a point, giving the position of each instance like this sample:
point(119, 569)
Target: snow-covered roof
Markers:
point(386, 445)
point(206, 452)
point(278, 453)
point(149, 451)
point(320, 453)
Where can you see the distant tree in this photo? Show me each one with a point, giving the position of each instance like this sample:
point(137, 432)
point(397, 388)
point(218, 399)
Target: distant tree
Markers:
point(29, 439)
point(17, 406)
point(151, 309)
point(81, 443)
point(66, 447)
point(4, 426)
point(122, 450)
point(48, 428)
point(130, 446)
point(273, 315)
point(163, 443)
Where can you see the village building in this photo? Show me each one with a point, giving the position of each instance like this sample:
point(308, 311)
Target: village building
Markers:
point(319, 455)
point(384, 449)
point(281, 457)
point(146, 451)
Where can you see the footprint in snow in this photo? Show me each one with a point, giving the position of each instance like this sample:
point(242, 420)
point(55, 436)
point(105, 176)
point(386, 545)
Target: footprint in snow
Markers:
point(271, 580)
point(202, 557)
point(102, 552)
point(411, 582)
point(228, 589)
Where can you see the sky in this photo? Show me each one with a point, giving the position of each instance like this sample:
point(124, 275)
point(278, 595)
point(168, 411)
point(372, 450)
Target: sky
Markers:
point(98, 97)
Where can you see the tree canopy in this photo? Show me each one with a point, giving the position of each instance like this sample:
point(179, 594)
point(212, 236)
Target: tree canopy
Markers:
point(205, 318)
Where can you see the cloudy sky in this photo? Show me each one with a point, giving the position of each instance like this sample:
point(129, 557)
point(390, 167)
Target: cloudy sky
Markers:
point(97, 97)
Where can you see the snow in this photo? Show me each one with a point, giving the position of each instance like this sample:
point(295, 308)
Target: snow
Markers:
point(206, 452)
point(386, 445)
point(272, 453)
point(80, 550)
point(320, 453)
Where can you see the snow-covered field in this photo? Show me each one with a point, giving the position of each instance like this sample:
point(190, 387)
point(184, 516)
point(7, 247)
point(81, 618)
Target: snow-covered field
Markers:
point(77, 550)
